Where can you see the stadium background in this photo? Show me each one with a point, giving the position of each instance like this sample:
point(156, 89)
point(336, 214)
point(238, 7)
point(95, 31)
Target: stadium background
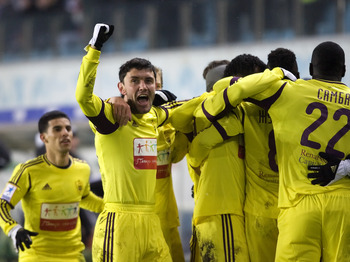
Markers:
point(42, 41)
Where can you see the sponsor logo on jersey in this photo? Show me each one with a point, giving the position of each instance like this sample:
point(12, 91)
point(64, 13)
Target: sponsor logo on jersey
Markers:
point(163, 163)
point(59, 217)
point(47, 187)
point(8, 192)
point(145, 153)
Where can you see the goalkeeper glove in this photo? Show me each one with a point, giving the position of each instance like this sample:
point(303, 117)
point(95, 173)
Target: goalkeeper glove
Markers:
point(162, 97)
point(21, 236)
point(101, 34)
point(325, 174)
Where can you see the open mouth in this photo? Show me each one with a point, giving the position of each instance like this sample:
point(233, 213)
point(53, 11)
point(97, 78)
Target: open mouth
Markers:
point(142, 99)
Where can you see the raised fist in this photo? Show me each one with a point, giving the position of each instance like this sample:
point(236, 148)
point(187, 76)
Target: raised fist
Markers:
point(101, 34)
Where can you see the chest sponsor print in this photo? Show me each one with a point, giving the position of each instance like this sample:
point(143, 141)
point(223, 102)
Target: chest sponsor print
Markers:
point(163, 164)
point(59, 217)
point(145, 153)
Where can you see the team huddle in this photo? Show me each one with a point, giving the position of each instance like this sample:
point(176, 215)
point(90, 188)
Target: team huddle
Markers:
point(266, 151)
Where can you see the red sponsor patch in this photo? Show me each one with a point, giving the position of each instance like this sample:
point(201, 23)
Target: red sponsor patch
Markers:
point(59, 216)
point(58, 225)
point(163, 171)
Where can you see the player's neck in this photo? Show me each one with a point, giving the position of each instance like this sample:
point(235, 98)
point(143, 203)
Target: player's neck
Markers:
point(59, 159)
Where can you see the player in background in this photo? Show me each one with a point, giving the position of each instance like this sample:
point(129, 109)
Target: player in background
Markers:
point(211, 73)
point(52, 188)
point(171, 148)
point(5, 155)
point(309, 117)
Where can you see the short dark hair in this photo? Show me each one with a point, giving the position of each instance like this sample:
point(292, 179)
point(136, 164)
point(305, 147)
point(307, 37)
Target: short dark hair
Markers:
point(285, 58)
point(137, 63)
point(329, 59)
point(45, 118)
point(213, 64)
point(243, 65)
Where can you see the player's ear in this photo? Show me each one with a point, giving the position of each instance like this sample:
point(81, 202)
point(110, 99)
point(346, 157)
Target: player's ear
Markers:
point(43, 137)
point(311, 69)
point(121, 88)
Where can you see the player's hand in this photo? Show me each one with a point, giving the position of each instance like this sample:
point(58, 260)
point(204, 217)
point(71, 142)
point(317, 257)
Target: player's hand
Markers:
point(21, 237)
point(121, 110)
point(101, 34)
point(162, 97)
point(324, 174)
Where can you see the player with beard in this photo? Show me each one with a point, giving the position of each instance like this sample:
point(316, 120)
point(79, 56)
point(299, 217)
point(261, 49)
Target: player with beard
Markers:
point(128, 229)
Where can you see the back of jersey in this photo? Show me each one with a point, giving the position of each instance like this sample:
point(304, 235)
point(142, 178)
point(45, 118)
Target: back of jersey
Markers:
point(310, 116)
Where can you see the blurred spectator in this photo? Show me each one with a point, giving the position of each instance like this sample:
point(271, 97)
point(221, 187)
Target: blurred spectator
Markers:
point(5, 155)
point(314, 14)
point(72, 27)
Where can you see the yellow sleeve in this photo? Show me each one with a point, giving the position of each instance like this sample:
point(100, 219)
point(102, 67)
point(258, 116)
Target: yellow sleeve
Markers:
point(89, 103)
point(219, 131)
point(257, 86)
point(13, 192)
point(182, 117)
point(6, 220)
point(222, 84)
point(92, 203)
point(180, 147)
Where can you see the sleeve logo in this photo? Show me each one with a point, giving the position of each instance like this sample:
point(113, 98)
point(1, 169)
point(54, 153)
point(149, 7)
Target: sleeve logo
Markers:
point(8, 192)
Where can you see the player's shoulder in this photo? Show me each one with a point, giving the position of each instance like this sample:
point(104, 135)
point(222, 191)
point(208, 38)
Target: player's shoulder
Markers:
point(80, 162)
point(32, 162)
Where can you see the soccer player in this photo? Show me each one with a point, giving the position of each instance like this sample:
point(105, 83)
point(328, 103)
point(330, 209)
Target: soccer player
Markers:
point(260, 207)
point(128, 229)
point(308, 117)
point(171, 148)
point(213, 72)
point(52, 188)
point(219, 231)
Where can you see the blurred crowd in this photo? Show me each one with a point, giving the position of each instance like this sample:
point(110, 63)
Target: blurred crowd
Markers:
point(35, 28)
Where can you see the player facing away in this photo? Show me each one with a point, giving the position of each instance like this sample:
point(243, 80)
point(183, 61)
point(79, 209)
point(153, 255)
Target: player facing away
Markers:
point(308, 117)
point(260, 206)
point(222, 179)
point(128, 229)
point(52, 188)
